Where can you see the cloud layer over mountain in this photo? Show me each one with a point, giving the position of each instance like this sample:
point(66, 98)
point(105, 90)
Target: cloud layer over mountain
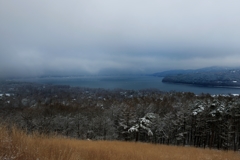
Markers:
point(91, 37)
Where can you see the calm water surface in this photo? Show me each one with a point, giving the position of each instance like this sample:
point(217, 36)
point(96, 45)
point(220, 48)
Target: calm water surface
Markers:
point(131, 83)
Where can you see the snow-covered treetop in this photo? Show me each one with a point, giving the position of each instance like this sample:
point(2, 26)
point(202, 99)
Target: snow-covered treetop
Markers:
point(144, 123)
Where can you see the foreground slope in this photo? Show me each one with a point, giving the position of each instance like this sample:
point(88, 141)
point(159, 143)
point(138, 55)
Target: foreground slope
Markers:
point(15, 144)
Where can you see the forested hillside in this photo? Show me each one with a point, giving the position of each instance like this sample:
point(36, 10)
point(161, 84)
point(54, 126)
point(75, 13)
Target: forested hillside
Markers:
point(227, 78)
point(153, 116)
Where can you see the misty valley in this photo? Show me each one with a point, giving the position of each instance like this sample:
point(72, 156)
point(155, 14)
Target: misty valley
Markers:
point(119, 80)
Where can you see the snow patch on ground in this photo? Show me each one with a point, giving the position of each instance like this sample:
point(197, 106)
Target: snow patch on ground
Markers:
point(6, 94)
point(225, 95)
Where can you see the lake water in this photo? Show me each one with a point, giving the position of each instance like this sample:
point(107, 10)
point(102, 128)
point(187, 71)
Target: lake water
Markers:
point(131, 83)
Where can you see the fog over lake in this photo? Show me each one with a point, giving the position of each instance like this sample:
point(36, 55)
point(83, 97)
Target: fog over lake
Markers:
point(107, 37)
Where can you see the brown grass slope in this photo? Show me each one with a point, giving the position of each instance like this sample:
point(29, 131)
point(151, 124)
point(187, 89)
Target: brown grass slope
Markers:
point(15, 144)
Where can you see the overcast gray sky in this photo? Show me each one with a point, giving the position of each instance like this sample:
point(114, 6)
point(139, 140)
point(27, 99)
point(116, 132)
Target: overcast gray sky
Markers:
point(127, 36)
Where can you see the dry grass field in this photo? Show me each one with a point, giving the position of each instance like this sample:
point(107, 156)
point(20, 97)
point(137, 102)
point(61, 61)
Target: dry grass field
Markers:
point(15, 144)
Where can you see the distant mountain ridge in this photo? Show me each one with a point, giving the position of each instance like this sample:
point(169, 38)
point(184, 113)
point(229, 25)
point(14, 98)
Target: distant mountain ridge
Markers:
point(207, 69)
point(210, 76)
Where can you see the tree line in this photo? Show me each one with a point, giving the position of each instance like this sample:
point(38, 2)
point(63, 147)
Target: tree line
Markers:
point(152, 116)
